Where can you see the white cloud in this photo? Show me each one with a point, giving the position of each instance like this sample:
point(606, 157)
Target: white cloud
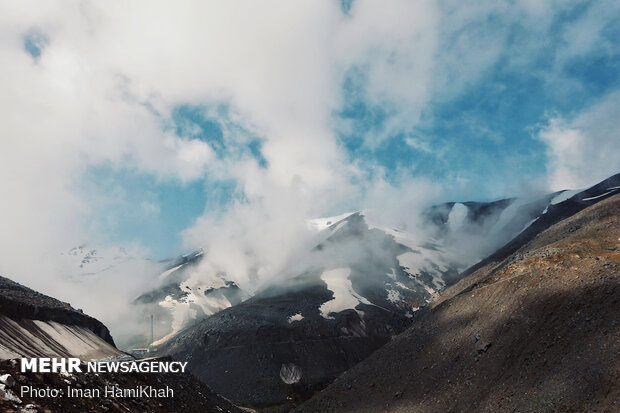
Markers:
point(418, 144)
point(585, 149)
point(396, 46)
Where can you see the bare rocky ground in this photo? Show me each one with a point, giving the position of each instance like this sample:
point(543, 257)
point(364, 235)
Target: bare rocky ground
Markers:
point(190, 395)
point(536, 331)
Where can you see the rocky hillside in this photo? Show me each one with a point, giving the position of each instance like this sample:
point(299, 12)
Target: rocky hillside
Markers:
point(34, 325)
point(533, 328)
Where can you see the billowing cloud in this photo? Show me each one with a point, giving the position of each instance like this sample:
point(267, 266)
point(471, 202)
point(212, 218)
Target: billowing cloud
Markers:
point(585, 149)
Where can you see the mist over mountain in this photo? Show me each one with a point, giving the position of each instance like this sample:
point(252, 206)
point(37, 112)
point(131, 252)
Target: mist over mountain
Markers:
point(360, 285)
point(413, 264)
point(534, 327)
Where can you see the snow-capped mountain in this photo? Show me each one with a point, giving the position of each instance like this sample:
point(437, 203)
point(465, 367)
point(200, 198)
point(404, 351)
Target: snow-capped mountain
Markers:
point(84, 261)
point(178, 299)
point(363, 261)
point(360, 285)
point(359, 259)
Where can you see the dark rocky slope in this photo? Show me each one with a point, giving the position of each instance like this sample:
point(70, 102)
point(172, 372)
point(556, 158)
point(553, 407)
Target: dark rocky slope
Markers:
point(35, 325)
point(531, 330)
point(22, 303)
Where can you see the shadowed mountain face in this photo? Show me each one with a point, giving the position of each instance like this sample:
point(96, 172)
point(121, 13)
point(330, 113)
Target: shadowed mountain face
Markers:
point(532, 329)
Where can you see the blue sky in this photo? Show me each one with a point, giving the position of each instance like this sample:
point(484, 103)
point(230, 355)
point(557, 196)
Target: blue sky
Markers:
point(163, 138)
point(153, 211)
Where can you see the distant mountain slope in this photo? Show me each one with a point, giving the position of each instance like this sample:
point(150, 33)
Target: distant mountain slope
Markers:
point(564, 205)
point(177, 300)
point(533, 328)
point(35, 325)
point(85, 260)
point(316, 324)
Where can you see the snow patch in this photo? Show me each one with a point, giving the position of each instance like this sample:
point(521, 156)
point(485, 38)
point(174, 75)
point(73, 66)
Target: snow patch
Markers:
point(319, 224)
point(402, 237)
point(598, 196)
point(564, 196)
point(393, 296)
point(403, 286)
point(427, 261)
point(345, 297)
point(295, 317)
point(180, 313)
point(170, 271)
point(530, 223)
